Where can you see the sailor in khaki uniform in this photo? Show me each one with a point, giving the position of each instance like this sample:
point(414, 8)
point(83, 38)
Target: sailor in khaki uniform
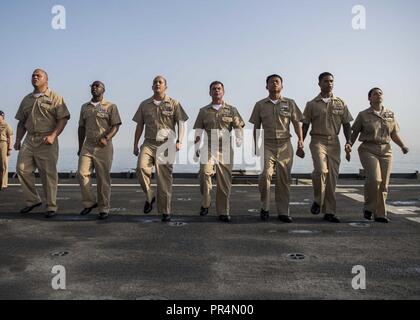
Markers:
point(6, 143)
point(326, 113)
point(99, 123)
point(275, 114)
point(377, 127)
point(216, 121)
point(159, 114)
point(43, 115)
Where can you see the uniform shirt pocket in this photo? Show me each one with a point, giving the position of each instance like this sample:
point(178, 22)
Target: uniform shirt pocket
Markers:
point(168, 113)
point(167, 110)
point(102, 115)
point(149, 117)
point(267, 116)
point(337, 110)
point(209, 123)
point(284, 110)
point(370, 126)
point(390, 124)
point(47, 106)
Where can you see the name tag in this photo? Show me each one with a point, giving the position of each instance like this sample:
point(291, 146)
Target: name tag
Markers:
point(227, 119)
point(102, 115)
point(284, 108)
point(47, 106)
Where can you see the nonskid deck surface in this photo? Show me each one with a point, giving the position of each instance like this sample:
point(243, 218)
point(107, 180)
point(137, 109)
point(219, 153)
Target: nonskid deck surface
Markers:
point(135, 256)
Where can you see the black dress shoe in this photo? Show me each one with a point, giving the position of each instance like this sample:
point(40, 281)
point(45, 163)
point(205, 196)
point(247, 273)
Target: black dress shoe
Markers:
point(285, 219)
point(50, 214)
point(103, 215)
point(368, 215)
point(166, 218)
point(204, 211)
point(30, 208)
point(315, 209)
point(86, 211)
point(331, 218)
point(224, 218)
point(382, 220)
point(264, 215)
point(148, 206)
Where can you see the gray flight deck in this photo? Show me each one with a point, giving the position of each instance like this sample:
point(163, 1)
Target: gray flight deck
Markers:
point(135, 256)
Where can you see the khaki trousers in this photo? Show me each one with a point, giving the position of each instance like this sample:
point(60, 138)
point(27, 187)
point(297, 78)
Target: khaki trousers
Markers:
point(98, 159)
point(222, 166)
point(146, 161)
point(278, 157)
point(376, 159)
point(326, 159)
point(36, 155)
point(4, 162)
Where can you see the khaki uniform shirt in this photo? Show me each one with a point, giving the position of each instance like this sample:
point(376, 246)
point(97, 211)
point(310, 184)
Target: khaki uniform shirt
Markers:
point(159, 119)
point(40, 115)
point(276, 118)
point(326, 118)
point(224, 119)
point(375, 128)
point(5, 132)
point(98, 120)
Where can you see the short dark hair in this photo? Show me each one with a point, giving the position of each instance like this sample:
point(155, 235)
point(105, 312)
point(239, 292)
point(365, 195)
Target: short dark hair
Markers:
point(373, 89)
point(162, 77)
point(325, 74)
point(216, 82)
point(41, 70)
point(273, 76)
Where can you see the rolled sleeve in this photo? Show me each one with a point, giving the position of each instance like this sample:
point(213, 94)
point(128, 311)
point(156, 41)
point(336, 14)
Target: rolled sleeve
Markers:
point(20, 115)
point(115, 116)
point(356, 128)
point(62, 110)
point(296, 116)
point(199, 124)
point(256, 116)
point(180, 114)
point(138, 117)
point(347, 117)
point(307, 114)
point(9, 130)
